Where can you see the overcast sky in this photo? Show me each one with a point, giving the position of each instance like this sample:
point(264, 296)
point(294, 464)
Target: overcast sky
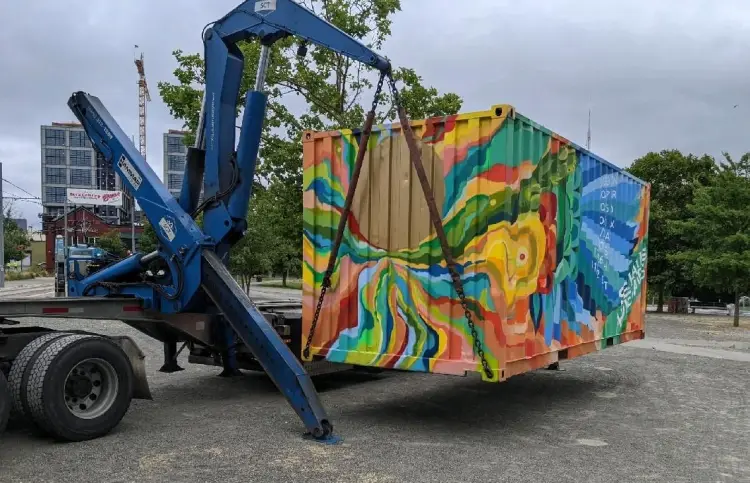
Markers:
point(655, 74)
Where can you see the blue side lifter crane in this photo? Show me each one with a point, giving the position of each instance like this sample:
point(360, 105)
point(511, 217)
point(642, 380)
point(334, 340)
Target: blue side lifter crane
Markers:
point(77, 385)
point(197, 280)
point(197, 257)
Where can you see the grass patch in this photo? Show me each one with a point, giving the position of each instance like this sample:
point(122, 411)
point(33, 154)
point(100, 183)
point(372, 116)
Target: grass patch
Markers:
point(13, 276)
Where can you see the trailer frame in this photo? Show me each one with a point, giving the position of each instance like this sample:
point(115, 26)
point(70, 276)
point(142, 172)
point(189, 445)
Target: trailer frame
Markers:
point(202, 334)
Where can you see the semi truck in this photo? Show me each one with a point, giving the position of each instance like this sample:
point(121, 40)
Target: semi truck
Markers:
point(76, 385)
point(508, 250)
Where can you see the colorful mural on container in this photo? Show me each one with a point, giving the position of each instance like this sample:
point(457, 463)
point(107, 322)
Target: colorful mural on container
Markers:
point(550, 242)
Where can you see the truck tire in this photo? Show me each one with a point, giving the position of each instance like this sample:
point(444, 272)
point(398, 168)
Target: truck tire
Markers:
point(4, 402)
point(19, 366)
point(79, 387)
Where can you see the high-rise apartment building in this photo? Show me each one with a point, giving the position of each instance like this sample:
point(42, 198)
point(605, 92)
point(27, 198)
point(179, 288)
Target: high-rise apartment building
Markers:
point(175, 153)
point(70, 161)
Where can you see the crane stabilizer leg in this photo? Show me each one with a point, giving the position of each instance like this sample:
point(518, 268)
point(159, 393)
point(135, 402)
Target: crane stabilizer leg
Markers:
point(284, 369)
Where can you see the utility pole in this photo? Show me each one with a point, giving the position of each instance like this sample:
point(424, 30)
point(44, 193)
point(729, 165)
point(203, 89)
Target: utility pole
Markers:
point(132, 215)
point(588, 134)
point(2, 232)
point(132, 226)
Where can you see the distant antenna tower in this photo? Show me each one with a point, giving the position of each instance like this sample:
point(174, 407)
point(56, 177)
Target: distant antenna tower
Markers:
point(143, 97)
point(588, 134)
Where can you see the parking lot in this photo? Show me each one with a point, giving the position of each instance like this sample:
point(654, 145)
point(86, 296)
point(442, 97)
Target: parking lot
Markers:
point(671, 408)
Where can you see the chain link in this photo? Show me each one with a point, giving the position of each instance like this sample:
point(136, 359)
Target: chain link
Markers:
point(376, 98)
point(457, 284)
point(364, 138)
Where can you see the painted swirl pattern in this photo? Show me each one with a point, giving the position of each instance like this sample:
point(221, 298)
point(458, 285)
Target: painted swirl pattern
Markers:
point(550, 242)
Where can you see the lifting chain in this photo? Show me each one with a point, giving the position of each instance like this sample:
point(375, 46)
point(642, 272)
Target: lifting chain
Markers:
point(435, 218)
point(363, 140)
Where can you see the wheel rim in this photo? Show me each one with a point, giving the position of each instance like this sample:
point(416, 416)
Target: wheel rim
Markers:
point(91, 388)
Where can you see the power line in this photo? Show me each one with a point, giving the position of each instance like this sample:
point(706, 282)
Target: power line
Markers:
point(18, 187)
point(21, 198)
point(27, 200)
point(11, 195)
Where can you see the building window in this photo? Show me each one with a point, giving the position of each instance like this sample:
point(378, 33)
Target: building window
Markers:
point(54, 156)
point(80, 177)
point(106, 211)
point(106, 178)
point(175, 162)
point(54, 211)
point(55, 176)
point(54, 137)
point(79, 139)
point(80, 157)
point(174, 182)
point(54, 194)
point(176, 145)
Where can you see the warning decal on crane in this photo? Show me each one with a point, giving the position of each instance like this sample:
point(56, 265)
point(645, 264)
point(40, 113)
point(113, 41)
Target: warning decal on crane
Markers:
point(264, 7)
point(129, 172)
point(167, 228)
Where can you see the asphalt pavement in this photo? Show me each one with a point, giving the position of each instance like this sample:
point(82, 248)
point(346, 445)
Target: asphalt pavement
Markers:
point(671, 408)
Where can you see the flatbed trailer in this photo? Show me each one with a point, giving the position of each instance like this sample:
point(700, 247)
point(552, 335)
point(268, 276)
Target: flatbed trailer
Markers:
point(98, 375)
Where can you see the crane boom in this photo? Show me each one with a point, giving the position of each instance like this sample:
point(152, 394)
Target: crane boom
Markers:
point(143, 96)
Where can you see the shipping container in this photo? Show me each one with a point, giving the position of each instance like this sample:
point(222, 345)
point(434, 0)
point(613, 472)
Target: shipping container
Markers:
point(549, 239)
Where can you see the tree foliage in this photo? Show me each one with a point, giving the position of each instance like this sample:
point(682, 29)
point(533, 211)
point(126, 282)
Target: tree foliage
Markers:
point(334, 91)
point(251, 255)
point(719, 228)
point(112, 243)
point(16, 241)
point(147, 242)
point(673, 177)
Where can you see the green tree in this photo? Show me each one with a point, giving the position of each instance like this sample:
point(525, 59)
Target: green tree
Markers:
point(112, 243)
point(252, 255)
point(335, 91)
point(719, 227)
point(147, 242)
point(16, 241)
point(283, 210)
point(673, 177)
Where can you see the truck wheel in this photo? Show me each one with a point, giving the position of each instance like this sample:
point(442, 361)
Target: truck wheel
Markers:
point(19, 366)
point(4, 402)
point(79, 387)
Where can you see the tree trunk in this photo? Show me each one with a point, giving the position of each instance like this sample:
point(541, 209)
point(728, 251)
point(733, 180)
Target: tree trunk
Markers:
point(284, 275)
point(660, 301)
point(736, 308)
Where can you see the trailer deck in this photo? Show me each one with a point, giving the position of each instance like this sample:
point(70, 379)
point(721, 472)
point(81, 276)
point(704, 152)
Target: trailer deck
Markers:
point(203, 335)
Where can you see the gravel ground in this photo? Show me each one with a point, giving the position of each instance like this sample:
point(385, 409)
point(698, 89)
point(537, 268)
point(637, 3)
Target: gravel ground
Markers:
point(629, 413)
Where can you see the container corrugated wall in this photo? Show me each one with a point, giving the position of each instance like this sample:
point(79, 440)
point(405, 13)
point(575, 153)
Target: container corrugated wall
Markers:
point(549, 239)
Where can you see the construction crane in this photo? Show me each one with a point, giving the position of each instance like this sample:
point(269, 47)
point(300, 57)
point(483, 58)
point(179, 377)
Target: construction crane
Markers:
point(143, 97)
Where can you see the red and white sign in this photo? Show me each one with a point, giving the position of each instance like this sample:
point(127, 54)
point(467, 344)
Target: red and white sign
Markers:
point(94, 197)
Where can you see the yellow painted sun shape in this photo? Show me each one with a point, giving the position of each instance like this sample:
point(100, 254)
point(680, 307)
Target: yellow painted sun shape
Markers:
point(515, 253)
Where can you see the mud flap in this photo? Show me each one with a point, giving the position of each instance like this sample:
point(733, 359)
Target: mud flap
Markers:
point(137, 358)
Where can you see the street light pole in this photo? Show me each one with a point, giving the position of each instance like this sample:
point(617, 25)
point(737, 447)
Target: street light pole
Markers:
point(2, 232)
point(132, 225)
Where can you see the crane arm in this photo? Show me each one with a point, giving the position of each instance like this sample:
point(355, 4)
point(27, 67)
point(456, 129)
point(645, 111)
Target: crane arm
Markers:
point(228, 176)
